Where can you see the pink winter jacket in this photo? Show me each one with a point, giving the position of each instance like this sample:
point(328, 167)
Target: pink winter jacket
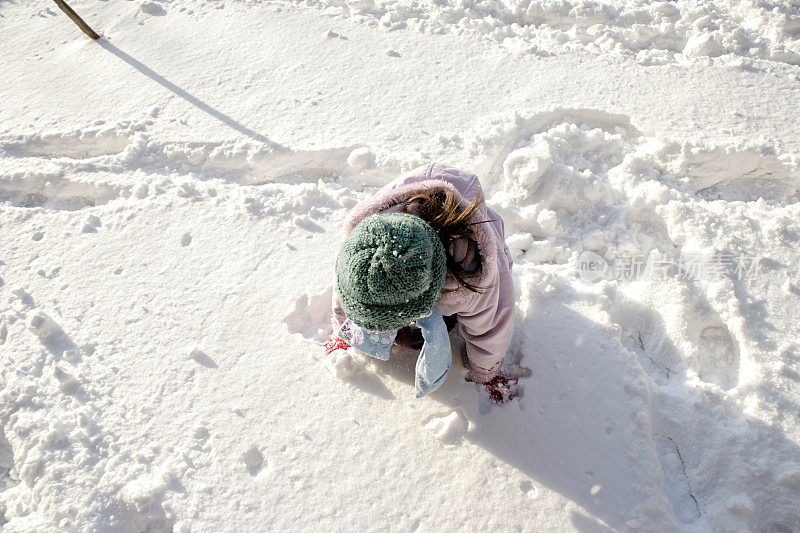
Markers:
point(486, 319)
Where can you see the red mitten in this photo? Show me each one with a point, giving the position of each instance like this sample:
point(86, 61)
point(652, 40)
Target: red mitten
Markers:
point(335, 343)
point(502, 389)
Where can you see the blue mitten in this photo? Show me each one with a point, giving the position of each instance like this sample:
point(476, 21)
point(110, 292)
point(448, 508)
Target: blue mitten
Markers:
point(436, 358)
point(376, 344)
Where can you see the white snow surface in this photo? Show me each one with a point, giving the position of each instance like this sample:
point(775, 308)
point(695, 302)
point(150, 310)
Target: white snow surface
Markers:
point(651, 32)
point(171, 199)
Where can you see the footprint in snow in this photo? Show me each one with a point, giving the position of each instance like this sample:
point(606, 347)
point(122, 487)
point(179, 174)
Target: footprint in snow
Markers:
point(529, 489)
point(449, 428)
point(200, 437)
point(303, 222)
point(330, 34)
point(199, 356)
point(357, 370)
point(152, 8)
point(201, 433)
point(68, 383)
point(253, 459)
point(311, 316)
point(49, 332)
point(23, 296)
point(718, 357)
point(90, 224)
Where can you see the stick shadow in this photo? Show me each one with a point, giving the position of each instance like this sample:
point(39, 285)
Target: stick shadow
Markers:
point(161, 80)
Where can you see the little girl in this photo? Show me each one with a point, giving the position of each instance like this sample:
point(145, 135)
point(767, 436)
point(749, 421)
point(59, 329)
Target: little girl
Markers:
point(426, 249)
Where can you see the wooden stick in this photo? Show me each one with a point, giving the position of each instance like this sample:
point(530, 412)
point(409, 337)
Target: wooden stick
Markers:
point(76, 19)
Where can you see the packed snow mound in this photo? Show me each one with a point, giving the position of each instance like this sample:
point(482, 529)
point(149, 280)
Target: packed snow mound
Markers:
point(688, 237)
point(652, 32)
point(658, 389)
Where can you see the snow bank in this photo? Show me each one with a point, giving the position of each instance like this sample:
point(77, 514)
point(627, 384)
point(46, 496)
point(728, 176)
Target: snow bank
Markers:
point(652, 32)
point(575, 181)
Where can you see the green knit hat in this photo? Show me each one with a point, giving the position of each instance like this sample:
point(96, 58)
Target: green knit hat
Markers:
point(391, 271)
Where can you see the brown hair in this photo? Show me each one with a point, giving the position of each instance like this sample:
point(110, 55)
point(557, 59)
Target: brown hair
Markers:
point(442, 210)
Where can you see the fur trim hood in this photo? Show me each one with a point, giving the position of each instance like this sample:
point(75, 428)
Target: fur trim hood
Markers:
point(433, 177)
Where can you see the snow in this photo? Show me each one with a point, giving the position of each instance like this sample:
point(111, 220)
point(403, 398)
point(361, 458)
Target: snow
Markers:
point(649, 32)
point(170, 209)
